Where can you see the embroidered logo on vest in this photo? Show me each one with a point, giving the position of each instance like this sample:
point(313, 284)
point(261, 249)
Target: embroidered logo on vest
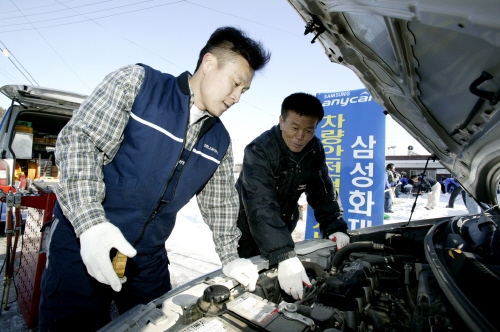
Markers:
point(208, 147)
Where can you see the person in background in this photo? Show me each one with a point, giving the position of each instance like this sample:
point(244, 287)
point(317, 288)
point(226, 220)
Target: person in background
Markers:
point(126, 168)
point(410, 180)
point(433, 190)
point(390, 168)
point(454, 186)
point(397, 187)
point(470, 203)
point(387, 194)
point(442, 182)
point(404, 183)
point(278, 166)
point(454, 189)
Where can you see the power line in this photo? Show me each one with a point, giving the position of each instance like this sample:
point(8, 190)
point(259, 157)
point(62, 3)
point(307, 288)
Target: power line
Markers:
point(267, 113)
point(239, 17)
point(127, 12)
point(8, 54)
point(91, 12)
point(128, 40)
point(10, 77)
point(55, 52)
point(86, 18)
point(14, 11)
point(53, 11)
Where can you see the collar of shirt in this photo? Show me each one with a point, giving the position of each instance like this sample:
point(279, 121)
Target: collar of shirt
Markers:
point(196, 114)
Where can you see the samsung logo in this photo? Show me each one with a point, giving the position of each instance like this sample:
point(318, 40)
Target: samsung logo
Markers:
point(208, 147)
point(365, 97)
point(338, 94)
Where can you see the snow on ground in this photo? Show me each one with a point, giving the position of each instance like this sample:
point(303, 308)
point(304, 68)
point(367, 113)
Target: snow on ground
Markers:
point(191, 250)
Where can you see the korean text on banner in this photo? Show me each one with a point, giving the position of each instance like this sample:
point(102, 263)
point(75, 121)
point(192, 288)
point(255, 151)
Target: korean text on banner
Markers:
point(353, 136)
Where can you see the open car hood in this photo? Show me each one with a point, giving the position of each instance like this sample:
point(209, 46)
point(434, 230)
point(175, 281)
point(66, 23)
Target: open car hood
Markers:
point(435, 68)
point(38, 97)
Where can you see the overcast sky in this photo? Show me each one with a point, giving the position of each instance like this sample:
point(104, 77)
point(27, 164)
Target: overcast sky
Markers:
point(72, 45)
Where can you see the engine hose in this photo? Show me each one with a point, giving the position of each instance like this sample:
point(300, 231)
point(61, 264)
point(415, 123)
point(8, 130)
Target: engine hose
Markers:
point(407, 284)
point(344, 253)
point(314, 291)
point(400, 306)
point(391, 249)
point(373, 317)
point(387, 259)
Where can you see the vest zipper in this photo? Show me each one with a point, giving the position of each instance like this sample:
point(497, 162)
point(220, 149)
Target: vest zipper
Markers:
point(159, 204)
point(151, 219)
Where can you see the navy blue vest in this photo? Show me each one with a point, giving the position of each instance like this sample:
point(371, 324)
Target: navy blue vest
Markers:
point(152, 176)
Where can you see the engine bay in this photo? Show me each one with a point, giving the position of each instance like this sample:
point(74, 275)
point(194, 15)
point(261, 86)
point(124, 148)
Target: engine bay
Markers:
point(433, 276)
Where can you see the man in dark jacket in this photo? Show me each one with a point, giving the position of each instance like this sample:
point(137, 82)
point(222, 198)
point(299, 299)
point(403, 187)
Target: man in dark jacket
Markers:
point(453, 187)
point(433, 188)
point(278, 166)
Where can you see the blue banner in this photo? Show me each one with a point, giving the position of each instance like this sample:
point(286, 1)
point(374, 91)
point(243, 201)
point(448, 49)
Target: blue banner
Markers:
point(353, 136)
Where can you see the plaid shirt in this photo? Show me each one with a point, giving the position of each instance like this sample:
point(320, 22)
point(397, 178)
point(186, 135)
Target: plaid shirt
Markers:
point(92, 138)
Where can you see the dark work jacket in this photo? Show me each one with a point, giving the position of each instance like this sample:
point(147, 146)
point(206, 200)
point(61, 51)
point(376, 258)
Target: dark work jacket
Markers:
point(269, 187)
point(152, 176)
point(428, 183)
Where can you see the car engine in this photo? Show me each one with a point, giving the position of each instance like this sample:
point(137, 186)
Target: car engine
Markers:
point(434, 275)
point(365, 286)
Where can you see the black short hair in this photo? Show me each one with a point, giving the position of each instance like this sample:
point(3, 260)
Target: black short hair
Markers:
point(390, 166)
point(303, 104)
point(228, 42)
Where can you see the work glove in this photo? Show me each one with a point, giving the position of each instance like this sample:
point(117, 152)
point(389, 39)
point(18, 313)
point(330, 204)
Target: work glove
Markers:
point(291, 275)
point(340, 238)
point(244, 271)
point(95, 245)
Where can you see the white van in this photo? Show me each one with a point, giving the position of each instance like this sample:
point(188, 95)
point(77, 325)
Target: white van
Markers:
point(28, 133)
point(29, 130)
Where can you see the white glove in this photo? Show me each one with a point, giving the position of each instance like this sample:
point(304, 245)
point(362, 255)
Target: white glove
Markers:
point(96, 243)
point(244, 271)
point(341, 238)
point(291, 275)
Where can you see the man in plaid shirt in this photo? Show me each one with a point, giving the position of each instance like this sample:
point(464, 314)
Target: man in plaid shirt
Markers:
point(136, 151)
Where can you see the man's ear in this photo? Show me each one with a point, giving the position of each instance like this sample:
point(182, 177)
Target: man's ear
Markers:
point(281, 120)
point(208, 62)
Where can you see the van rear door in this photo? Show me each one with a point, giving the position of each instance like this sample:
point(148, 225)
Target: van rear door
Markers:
point(29, 130)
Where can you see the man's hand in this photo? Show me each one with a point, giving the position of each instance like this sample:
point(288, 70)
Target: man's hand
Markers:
point(341, 238)
point(95, 245)
point(291, 275)
point(244, 271)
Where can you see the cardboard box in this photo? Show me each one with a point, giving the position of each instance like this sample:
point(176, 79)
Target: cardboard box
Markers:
point(23, 129)
point(55, 172)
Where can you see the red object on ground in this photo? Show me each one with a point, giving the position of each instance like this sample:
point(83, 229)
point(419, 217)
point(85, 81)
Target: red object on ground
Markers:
point(40, 210)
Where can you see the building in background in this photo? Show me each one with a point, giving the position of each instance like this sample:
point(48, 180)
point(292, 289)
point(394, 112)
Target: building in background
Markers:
point(415, 164)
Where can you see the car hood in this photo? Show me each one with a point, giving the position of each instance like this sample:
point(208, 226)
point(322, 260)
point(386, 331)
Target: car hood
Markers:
point(435, 68)
point(38, 97)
